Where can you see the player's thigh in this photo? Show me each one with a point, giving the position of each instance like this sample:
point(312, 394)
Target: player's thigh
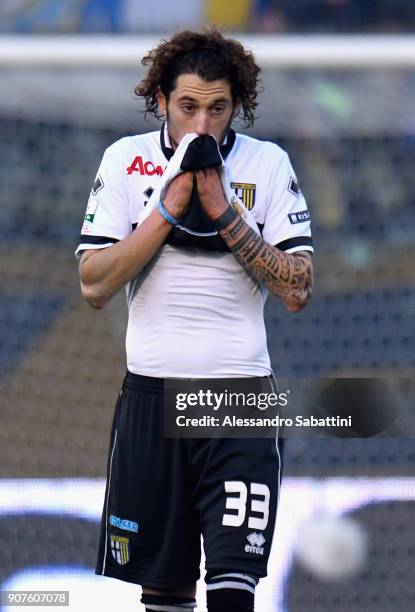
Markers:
point(237, 498)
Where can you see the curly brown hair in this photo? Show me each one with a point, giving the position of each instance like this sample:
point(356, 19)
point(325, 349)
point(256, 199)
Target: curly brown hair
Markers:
point(210, 56)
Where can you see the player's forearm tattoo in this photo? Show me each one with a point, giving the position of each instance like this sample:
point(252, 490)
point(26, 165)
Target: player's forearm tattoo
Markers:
point(285, 275)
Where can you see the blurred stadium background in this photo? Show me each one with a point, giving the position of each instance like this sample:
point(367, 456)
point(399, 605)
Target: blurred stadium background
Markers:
point(350, 133)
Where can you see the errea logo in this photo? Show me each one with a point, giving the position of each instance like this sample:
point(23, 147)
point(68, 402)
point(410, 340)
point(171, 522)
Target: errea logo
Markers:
point(145, 168)
point(256, 541)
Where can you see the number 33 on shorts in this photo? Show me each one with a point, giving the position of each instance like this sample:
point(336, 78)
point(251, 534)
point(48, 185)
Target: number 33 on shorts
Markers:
point(237, 500)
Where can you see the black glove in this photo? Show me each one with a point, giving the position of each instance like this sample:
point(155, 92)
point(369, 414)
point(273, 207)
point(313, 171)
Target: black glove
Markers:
point(195, 225)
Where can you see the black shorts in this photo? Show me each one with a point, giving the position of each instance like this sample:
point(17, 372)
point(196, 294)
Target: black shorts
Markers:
point(162, 494)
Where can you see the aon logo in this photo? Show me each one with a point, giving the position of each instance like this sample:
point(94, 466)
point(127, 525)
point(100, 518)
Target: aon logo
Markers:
point(145, 168)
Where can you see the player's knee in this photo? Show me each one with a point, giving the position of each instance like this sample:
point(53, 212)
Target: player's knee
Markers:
point(230, 591)
point(173, 600)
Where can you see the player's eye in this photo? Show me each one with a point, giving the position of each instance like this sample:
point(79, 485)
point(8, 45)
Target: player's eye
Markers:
point(217, 110)
point(187, 108)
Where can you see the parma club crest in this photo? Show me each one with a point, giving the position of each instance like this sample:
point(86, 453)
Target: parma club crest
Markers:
point(120, 549)
point(246, 192)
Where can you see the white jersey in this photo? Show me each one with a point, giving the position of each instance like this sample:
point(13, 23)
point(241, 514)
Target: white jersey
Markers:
point(195, 313)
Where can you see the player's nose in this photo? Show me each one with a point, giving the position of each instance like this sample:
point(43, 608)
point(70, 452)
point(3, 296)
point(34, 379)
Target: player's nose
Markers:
point(202, 124)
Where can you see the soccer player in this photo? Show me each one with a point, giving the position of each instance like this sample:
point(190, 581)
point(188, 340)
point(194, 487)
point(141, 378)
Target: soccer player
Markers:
point(197, 275)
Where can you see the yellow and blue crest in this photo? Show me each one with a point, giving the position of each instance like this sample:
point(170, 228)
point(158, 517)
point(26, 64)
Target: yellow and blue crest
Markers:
point(246, 192)
point(120, 549)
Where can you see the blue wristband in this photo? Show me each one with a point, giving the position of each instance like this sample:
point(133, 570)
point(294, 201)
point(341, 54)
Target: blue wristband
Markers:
point(166, 215)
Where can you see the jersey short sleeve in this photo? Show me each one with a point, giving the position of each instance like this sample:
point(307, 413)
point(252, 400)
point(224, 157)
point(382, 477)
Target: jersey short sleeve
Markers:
point(287, 219)
point(107, 217)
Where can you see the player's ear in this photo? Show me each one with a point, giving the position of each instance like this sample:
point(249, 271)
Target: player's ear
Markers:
point(161, 102)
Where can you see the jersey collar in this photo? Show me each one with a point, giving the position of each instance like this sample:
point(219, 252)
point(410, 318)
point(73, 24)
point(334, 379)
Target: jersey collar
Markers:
point(225, 148)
